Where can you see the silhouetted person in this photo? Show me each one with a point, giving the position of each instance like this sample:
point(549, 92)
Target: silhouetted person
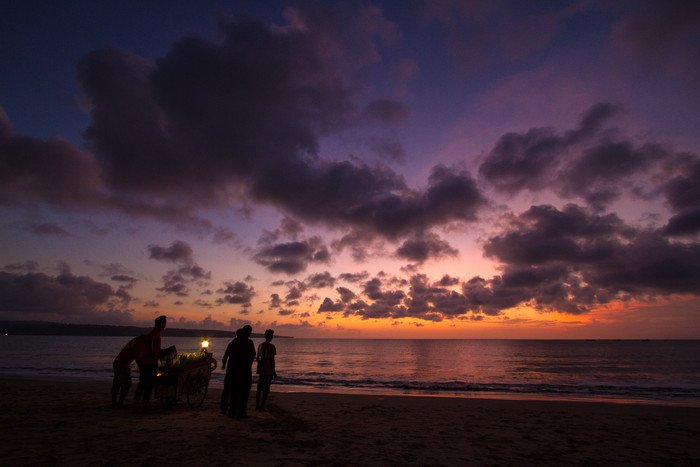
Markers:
point(148, 363)
point(240, 374)
point(122, 369)
point(266, 369)
point(228, 382)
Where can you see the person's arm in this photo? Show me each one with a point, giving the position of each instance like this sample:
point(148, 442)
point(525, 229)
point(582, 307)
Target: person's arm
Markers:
point(252, 352)
point(224, 359)
point(257, 357)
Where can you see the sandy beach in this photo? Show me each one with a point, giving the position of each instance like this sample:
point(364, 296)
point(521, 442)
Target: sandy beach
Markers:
point(72, 422)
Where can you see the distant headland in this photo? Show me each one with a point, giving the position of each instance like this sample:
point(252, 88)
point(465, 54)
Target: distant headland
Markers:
point(44, 328)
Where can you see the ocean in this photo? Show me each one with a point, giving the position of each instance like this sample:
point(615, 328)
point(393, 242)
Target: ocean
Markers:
point(626, 371)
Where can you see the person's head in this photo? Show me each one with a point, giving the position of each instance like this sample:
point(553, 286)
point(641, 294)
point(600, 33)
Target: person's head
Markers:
point(269, 334)
point(239, 332)
point(247, 330)
point(161, 321)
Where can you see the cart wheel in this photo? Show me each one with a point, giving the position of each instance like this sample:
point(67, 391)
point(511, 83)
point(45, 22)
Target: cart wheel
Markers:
point(196, 390)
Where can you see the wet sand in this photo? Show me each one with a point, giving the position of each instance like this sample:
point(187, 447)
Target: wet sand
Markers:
point(72, 422)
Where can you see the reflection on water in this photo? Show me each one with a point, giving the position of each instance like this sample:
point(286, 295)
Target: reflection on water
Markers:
point(658, 370)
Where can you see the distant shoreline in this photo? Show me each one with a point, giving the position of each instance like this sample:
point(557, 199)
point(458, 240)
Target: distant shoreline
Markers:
point(45, 328)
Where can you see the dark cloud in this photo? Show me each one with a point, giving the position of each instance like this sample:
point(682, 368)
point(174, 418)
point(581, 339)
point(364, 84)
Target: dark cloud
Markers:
point(291, 227)
point(224, 235)
point(432, 303)
point(215, 123)
point(296, 291)
point(372, 289)
point(65, 294)
point(544, 287)
point(177, 281)
point(210, 114)
point(52, 171)
point(591, 162)
point(178, 251)
point(598, 173)
point(422, 301)
point(114, 269)
point(249, 110)
point(128, 280)
point(237, 293)
point(424, 246)
point(358, 242)
point(544, 233)
point(292, 257)
point(354, 277)
point(447, 281)
point(683, 194)
point(522, 161)
point(683, 190)
point(571, 260)
point(320, 280)
point(685, 223)
point(346, 295)
point(375, 199)
point(329, 306)
point(123, 295)
point(275, 301)
point(529, 160)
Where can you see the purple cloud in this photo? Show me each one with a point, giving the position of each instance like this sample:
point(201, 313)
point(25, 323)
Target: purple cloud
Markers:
point(65, 294)
point(178, 251)
point(292, 257)
point(237, 293)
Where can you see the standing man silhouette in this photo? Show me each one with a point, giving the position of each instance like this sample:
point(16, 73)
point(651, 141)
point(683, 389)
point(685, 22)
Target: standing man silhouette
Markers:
point(122, 369)
point(148, 363)
point(266, 369)
point(228, 379)
point(239, 373)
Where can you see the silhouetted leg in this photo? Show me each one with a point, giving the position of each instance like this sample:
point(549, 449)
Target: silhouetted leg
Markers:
point(233, 403)
point(140, 387)
point(150, 372)
point(226, 394)
point(243, 401)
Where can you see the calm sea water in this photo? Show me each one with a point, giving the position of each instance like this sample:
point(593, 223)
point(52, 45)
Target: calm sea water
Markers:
point(624, 371)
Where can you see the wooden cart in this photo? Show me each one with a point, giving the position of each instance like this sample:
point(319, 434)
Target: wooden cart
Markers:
point(190, 380)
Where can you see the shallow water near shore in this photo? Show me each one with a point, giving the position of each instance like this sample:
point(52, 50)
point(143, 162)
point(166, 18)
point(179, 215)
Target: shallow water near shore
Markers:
point(666, 372)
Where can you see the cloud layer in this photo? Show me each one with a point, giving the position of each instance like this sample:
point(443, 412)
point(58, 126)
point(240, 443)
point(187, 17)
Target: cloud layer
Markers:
point(242, 121)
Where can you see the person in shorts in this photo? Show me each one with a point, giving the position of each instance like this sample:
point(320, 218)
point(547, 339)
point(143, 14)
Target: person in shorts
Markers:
point(122, 369)
point(148, 363)
point(266, 370)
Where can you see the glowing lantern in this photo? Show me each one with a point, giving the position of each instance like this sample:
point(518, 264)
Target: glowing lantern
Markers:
point(205, 345)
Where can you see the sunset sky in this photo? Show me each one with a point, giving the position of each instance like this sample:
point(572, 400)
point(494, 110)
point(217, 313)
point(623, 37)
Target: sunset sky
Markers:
point(445, 168)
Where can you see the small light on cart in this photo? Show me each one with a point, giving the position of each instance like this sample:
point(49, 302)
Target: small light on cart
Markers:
point(205, 345)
